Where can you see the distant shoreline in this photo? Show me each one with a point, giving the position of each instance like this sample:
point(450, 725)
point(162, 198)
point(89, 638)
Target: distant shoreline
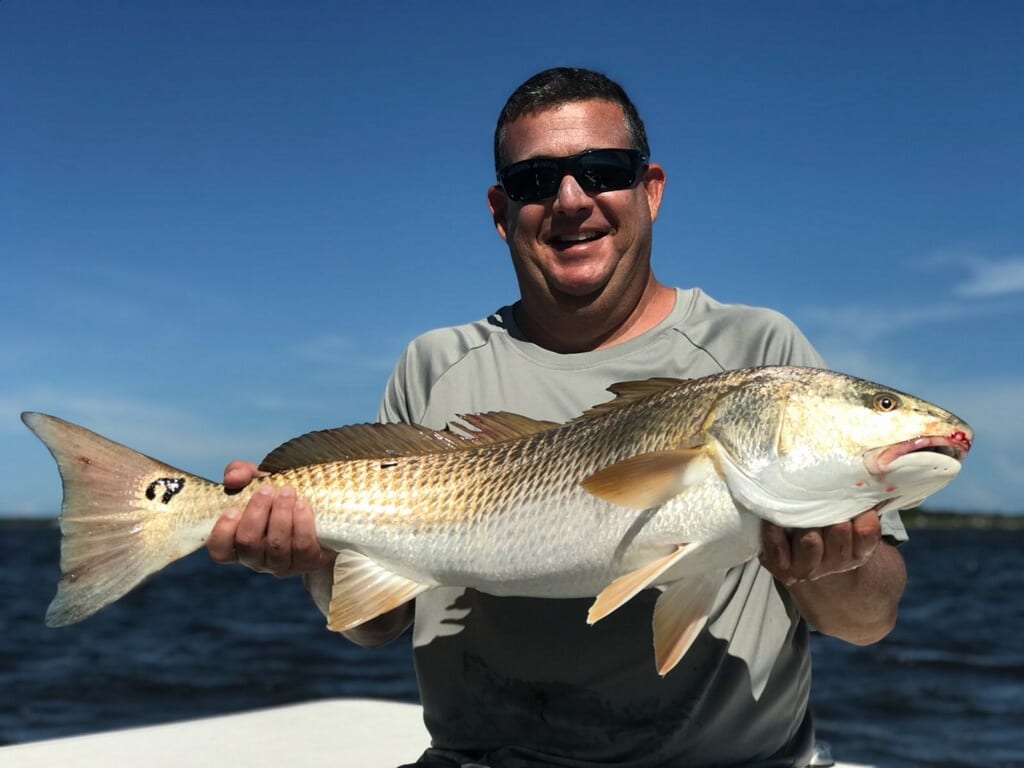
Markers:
point(921, 518)
point(27, 522)
point(913, 518)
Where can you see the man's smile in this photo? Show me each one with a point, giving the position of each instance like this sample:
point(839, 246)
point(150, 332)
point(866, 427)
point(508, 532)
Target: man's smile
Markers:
point(570, 239)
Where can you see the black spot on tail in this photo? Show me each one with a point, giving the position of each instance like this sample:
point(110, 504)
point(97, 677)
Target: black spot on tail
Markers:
point(170, 485)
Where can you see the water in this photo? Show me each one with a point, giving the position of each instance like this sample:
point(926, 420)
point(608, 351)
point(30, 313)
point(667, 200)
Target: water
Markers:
point(946, 688)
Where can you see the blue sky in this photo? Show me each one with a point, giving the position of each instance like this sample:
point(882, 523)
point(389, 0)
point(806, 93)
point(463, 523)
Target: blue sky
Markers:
point(220, 222)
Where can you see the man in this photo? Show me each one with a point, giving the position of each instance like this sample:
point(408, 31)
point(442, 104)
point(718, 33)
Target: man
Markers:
point(525, 682)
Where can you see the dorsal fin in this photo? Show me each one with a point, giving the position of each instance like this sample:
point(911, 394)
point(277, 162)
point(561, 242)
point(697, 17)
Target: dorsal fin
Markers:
point(361, 441)
point(629, 392)
point(498, 426)
point(384, 441)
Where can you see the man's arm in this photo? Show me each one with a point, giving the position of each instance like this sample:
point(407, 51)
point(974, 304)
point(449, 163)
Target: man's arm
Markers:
point(846, 580)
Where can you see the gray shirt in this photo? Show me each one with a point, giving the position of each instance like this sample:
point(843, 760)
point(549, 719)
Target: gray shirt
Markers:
point(526, 682)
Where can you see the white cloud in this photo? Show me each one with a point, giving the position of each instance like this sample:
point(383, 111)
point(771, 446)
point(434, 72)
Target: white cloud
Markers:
point(992, 278)
point(980, 276)
point(326, 349)
point(860, 325)
point(356, 352)
point(170, 433)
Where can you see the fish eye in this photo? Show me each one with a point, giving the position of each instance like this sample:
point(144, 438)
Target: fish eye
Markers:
point(885, 402)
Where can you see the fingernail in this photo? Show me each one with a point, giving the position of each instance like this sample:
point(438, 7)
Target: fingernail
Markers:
point(232, 513)
point(266, 489)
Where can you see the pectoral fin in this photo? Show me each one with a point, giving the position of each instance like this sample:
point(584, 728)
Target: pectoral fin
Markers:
point(623, 589)
point(650, 479)
point(680, 614)
point(364, 590)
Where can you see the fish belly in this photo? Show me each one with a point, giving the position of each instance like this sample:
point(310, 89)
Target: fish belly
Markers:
point(572, 548)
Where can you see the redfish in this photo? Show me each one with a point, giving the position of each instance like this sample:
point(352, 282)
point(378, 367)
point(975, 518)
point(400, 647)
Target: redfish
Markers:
point(663, 486)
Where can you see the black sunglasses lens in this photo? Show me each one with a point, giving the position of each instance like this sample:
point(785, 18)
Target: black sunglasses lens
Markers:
point(598, 170)
point(606, 170)
point(531, 180)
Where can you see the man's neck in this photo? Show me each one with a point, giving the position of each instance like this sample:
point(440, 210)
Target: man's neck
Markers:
point(582, 326)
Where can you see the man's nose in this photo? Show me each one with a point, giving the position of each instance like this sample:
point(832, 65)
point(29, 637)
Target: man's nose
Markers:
point(571, 198)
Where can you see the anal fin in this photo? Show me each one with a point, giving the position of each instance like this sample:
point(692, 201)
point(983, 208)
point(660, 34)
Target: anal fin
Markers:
point(624, 588)
point(680, 614)
point(364, 590)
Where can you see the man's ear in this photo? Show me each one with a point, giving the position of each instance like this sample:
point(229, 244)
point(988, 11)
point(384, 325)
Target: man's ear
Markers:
point(654, 184)
point(497, 201)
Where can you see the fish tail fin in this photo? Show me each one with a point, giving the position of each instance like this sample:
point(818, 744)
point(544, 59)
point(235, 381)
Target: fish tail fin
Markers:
point(124, 517)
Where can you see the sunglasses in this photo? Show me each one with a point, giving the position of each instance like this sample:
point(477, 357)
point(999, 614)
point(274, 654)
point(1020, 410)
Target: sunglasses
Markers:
point(596, 170)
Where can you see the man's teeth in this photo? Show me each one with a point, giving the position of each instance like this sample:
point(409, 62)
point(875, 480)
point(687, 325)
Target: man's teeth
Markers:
point(579, 237)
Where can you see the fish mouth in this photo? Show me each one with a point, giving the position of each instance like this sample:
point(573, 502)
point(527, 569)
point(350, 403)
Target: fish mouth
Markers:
point(955, 446)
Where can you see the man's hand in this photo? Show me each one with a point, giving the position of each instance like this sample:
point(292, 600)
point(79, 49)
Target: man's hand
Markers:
point(275, 533)
point(811, 553)
point(845, 579)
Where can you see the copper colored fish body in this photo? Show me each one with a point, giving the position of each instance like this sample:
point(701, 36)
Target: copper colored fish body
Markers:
point(663, 486)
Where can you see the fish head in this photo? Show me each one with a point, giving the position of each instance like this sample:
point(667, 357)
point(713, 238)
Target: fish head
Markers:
point(804, 448)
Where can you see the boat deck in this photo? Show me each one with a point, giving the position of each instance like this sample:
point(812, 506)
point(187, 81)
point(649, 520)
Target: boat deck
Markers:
point(346, 732)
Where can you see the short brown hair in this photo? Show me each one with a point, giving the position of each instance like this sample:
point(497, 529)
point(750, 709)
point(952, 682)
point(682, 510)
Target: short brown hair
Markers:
point(562, 85)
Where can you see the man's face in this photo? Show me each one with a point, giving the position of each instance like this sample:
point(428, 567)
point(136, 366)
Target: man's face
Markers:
point(577, 244)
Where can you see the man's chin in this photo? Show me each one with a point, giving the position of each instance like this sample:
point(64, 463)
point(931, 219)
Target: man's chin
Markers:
point(578, 294)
